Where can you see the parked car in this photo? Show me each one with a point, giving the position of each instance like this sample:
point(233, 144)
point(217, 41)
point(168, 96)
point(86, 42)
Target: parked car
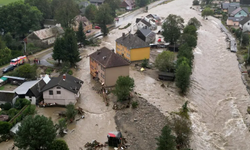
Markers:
point(9, 68)
point(97, 27)
point(88, 31)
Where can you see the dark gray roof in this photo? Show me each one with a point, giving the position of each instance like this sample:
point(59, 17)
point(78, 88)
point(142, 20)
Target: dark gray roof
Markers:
point(224, 5)
point(235, 19)
point(131, 41)
point(71, 83)
point(137, 20)
point(146, 23)
point(34, 86)
point(245, 9)
point(145, 31)
point(108, 59)
point(239, 9)
point(231, 9)
point(234, 4)
point(37, 88)
point(245, 20)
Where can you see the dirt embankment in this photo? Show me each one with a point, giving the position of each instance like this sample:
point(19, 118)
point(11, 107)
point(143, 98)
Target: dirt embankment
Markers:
point(140, 126)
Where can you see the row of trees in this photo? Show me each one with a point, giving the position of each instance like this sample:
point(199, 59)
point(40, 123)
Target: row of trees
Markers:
point(177, 133)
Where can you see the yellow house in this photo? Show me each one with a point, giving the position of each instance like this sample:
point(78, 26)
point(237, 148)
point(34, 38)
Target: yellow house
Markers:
point(132, 48)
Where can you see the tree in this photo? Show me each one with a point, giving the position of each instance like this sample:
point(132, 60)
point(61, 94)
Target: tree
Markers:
point(59, 144)
point(70, 112)
point(183, 58)
point(190, 29)
point(196, 2)
point(21, 102)
point(81, 37)
point(65, 12)
point(124, 85)
point(72, 54)
point(103, 18)
point(172, 28)
point(43, 5)
point(26, 71)
point(245, 39)
point(164, 61)
point(23, 18)
point(142, 3)
point(12, 112)
point(36, 132)
point(5, 55)
point(193, 21)
point(145, 63)
point(61, 126)
point(207, 12)
point(190, 40)
point(91, 12)
point(4, 127)
point(166, 141)
point(7, 106)
point(59, 51)
point(114, 4)
point(185, 51)
point(182, 76)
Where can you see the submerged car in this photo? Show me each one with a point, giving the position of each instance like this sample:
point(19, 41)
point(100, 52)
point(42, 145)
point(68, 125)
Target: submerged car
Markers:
point(9, 68)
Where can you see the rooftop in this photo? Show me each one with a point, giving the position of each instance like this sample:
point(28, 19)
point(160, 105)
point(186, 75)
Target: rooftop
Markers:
point(131, 41)
point(108, 58)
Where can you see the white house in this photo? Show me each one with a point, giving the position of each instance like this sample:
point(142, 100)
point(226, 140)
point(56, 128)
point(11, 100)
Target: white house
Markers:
point(142, 23)
point(245, 24)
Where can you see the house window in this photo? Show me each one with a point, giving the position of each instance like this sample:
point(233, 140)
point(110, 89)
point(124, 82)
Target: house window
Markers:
point(248, 23)
point(50, 92)
point(30, 96)
point(58, 92)
point(58, 87)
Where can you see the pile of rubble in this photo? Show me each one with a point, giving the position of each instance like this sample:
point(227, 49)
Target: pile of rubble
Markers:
point(94, 145)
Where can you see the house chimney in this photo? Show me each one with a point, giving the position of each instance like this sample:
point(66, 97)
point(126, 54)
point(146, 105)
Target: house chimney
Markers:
point(64, 77)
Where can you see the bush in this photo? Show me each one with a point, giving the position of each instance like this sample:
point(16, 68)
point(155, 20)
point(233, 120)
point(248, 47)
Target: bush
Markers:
point(4, 127)
point(195, 2)
point(134, 104)
point(21, 102)
point(7, 106)
point(12, 112)
point(70, 72)
point(144, 63)
point(49, 70)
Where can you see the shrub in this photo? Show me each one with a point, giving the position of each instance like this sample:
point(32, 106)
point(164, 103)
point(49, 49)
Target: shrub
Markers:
point(144, 63)
point(134, 104)
point(4, 127)
point(195, 2)
point(70, 72)
point(49, 70)
point(7, 106)
point(21, 102)
point(12, 112)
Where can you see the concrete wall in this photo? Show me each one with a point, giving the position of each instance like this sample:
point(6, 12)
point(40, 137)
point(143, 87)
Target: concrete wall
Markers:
point(62, 99)
point(112, 74)
point(140, 53)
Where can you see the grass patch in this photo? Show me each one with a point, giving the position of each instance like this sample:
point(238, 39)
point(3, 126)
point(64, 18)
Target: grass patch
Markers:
point(125, 26)
point(1, 87)
point(4, 2)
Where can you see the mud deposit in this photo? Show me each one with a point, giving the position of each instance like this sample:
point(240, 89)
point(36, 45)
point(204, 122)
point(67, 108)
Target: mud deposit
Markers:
point(140, 126)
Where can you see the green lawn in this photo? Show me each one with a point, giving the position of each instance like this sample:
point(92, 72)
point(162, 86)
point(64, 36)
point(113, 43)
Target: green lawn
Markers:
point(4, 2)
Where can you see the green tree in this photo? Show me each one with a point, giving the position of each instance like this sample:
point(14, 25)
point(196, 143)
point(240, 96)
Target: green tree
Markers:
point(81, 37)
point(141, 3)
point(166, 141)
point(207, 12)
point(145, 63)
point(59, 51)
point(70, 112)
point(12, 112)
point(65, 12)
point(2, 44)
point(5, 55)
point(124, 85)
point(172, 28)
point(188, 39)
point(43, 5)
point(59, 144)
point(8, 39)
point(114, 4)
point(190, 29)
point(35, 133)
point(72, 54)
point(183, 58)
point(4, 127)
point(61, 126)
point(23, 18)
point(7, 106)
point(103, 18)
point(185, 51)
point(21, 102)
point(25, 71)
point(245, 39)
point(91, 12)
point(182, 76)
point(164, 61)
point(195, 22)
